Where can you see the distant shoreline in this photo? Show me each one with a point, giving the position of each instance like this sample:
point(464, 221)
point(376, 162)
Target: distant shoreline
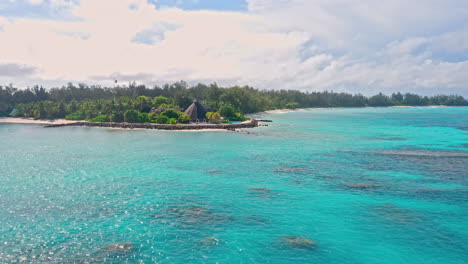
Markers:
point(284, 111)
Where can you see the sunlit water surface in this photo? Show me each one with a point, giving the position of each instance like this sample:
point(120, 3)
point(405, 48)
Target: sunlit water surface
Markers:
point(375, 185)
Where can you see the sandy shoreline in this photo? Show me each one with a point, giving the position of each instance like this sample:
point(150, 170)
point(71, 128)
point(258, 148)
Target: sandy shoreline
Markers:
point(14, 120)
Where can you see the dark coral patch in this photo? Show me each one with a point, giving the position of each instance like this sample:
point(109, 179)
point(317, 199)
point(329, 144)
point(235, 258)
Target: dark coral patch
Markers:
point(191, 215)
point(256, 220)
point(260, 189)
point(299, 242)
point(293, 170)
point(396, 215)
point(359, 186)
point(120, 248)
point(208, 241)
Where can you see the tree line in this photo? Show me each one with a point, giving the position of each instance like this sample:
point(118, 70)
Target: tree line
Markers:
point(88, 102)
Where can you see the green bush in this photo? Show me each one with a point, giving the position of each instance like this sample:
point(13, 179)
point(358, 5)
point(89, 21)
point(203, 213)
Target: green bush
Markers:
point(162, 119)
point(152, 116)
point(116, 117)
point(292, 105)
point(227, 111)
point(172, 121)
point(224, 121)
point(213, 116)
point(160, 100)
point(131, 116)
point(167, 106)
point(100, 118)
point(183, 118)
point(171, 113)
point(143, 118)
point(75, 116)
point(237, 117)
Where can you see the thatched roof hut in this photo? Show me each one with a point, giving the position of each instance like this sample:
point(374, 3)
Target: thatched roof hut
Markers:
point(196, 111)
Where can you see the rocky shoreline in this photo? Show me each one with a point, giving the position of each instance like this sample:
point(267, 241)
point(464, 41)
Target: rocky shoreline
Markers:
point(248, 124)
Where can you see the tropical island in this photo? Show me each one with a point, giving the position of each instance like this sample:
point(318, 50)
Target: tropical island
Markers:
point(174, 104)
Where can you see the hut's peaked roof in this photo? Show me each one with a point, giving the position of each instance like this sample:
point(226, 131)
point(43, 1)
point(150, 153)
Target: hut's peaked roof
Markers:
point(196, 111)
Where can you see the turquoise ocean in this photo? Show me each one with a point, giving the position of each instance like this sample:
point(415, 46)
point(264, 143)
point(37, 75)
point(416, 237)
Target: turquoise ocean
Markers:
point(366, 185)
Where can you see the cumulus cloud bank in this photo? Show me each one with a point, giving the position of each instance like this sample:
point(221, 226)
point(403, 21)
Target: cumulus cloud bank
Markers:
point(342, 45)
point(15, 70)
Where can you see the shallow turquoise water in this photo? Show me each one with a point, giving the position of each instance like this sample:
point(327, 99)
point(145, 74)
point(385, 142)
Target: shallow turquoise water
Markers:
point(374, 185)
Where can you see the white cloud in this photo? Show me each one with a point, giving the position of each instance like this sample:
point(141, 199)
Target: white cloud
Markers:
point(343, 45)
point(154, 34)
point(63, 3)
point(15, 70)
point(35, 2)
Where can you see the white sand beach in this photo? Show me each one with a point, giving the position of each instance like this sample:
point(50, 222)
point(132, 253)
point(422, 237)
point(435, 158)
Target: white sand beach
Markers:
point(271, 112)
point(279, 111)
point(15, 120)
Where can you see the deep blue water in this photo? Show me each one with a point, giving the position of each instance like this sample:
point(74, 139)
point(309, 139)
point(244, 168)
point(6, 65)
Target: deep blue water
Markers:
point(374, 185)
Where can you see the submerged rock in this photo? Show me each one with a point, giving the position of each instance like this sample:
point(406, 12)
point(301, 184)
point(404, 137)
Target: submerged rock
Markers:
point(326, 177)
point(111, 253)
point(292, 170)
point(299, 242)
point(122, 248)
point(395, 214)
point(359, 186)
point(213, 171)
point(256, 220)
point(209, 241)
point(260, 189)
point(192, 211)
point(192, 215)
point(423, 153)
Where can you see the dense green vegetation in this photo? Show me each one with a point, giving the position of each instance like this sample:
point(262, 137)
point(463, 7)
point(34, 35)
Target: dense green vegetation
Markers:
point(133, 103)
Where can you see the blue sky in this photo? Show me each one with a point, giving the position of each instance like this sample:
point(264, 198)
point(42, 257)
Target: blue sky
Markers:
point(23, 8)
point(359, 46)
point(40, 9)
